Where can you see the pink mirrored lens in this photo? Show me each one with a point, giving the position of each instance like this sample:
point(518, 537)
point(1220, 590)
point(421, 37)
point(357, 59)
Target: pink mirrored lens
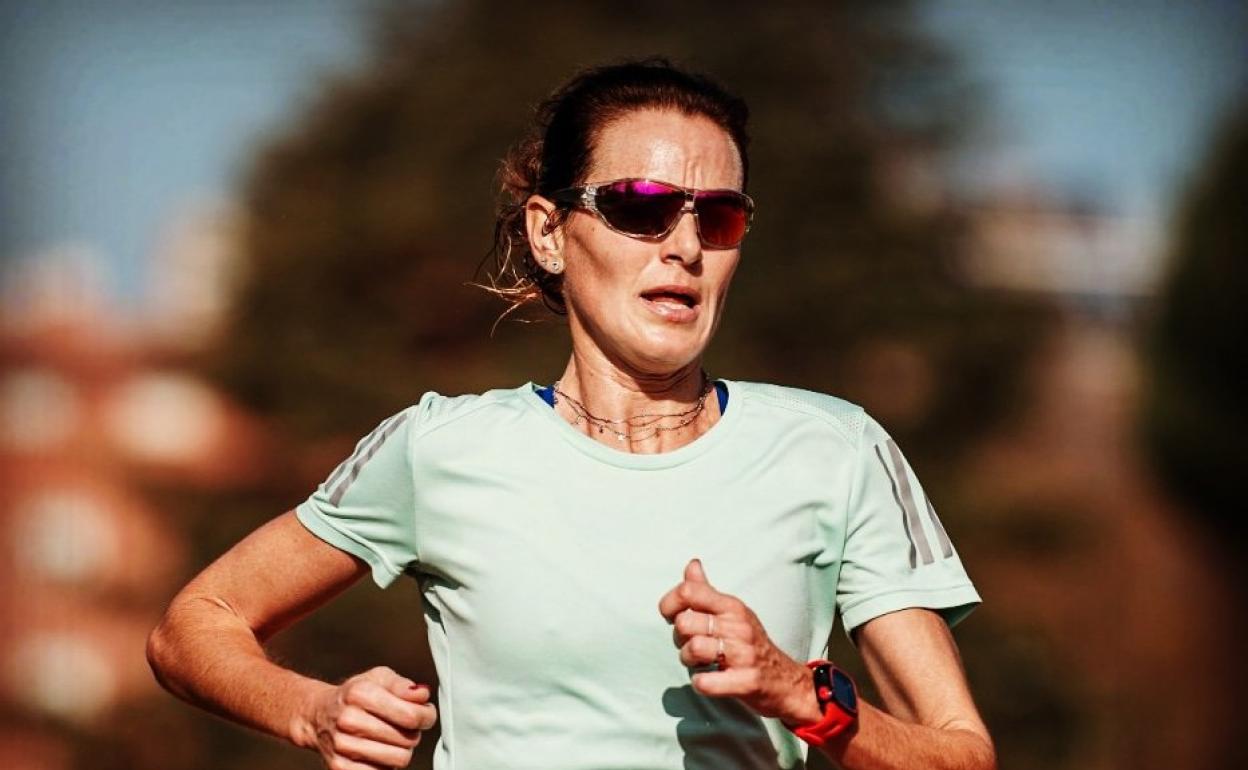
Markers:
point(723, 218)
point(640, 207)
point(648, 187)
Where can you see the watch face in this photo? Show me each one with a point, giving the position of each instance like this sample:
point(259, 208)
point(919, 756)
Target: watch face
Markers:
point(843, 691)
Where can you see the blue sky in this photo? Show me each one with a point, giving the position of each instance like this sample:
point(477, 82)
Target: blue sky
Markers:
point(1109, 101)
point(118, 114)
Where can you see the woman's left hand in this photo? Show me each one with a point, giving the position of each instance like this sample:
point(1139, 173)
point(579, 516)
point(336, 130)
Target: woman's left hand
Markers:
point(712, 627)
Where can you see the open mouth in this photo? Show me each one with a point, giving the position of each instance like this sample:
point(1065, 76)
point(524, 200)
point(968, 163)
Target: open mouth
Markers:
point(672, 296)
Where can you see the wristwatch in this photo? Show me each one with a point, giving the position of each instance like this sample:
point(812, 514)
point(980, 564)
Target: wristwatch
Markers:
point(838, 699)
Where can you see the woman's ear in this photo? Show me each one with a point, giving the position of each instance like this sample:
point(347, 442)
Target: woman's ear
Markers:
point(542, 219)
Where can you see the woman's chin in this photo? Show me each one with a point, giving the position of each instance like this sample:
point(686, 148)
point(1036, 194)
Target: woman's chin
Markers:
point(647, 345)
point(666, 353)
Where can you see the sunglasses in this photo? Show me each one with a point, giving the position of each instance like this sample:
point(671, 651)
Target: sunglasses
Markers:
point(644, 208)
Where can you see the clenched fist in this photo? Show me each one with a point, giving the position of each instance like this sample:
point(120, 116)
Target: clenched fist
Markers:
point(714, 628)
point(372, 721)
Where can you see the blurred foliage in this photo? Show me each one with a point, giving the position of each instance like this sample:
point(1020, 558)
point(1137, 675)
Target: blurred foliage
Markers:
point(1196, 413)
point(368, 216)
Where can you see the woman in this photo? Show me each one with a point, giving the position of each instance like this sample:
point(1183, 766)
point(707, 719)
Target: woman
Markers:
point(566, 537)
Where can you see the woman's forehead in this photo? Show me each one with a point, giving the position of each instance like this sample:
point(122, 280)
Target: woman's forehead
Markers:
point(688, 150)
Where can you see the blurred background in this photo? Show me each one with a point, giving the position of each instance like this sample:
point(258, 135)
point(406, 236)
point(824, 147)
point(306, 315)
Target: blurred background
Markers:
point(236, 235)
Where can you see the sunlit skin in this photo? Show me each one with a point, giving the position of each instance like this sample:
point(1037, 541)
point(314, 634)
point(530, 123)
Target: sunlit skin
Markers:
point(630, 355)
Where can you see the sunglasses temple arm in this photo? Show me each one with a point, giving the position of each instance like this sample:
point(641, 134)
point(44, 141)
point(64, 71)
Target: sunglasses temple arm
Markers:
point(573, 195)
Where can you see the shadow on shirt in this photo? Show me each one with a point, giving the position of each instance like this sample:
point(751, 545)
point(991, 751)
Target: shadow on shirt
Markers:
point(719, 733)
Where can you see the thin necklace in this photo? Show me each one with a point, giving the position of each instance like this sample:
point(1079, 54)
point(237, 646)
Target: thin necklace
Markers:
point(635, 427)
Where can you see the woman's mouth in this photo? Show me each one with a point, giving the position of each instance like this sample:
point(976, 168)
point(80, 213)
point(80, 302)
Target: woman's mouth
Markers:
point(677, 304)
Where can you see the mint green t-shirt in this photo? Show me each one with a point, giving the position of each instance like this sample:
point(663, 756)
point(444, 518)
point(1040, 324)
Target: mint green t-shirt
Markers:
point(542, 555)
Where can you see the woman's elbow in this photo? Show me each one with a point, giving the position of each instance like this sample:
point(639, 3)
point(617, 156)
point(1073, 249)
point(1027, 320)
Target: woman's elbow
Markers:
point(975, 749)
point(985, 754)
point(161, 654)
point(167, 645)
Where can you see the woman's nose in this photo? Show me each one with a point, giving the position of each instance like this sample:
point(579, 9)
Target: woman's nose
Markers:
point(683, 242)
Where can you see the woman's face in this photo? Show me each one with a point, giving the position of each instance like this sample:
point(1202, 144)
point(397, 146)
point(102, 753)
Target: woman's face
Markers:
point(650, 306)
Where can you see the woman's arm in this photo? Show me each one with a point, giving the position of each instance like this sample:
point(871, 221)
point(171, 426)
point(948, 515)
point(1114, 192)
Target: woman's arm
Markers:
point(207, 650)
point(931, 720)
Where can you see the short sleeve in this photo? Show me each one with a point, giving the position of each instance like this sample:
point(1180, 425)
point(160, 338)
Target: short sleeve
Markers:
point(366, 506)
point(897, 553)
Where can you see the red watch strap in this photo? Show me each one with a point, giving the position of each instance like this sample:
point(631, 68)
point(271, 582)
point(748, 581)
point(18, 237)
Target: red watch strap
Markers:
point(834, 722)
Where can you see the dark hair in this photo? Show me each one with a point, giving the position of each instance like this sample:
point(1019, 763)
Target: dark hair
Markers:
point(557, 152)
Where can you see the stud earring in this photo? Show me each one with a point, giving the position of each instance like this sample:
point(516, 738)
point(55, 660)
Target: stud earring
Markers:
point(554, 266)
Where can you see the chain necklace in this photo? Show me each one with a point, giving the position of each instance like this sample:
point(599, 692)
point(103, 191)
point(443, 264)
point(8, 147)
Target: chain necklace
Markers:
point(640, 422)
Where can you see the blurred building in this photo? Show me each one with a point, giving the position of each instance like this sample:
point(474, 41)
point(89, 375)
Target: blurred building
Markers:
point(97, 410)
point(1025, 239)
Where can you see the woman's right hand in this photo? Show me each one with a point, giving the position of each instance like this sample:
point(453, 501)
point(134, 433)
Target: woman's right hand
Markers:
point(372, 721)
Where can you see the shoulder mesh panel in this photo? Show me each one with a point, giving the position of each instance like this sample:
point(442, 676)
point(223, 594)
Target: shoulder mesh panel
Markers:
point(848, 415)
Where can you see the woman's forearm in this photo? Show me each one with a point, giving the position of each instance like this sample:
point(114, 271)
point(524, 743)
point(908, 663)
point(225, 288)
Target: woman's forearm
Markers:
point(207, 650)
point(883, 742)
point(206, 654)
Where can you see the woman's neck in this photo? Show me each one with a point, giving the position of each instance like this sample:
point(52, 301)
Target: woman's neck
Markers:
point(617, 407)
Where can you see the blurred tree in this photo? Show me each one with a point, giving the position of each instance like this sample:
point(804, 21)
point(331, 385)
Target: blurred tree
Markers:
point(1195, 410)
point(368, 218)
point(370, 214)
point(1196, 413)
